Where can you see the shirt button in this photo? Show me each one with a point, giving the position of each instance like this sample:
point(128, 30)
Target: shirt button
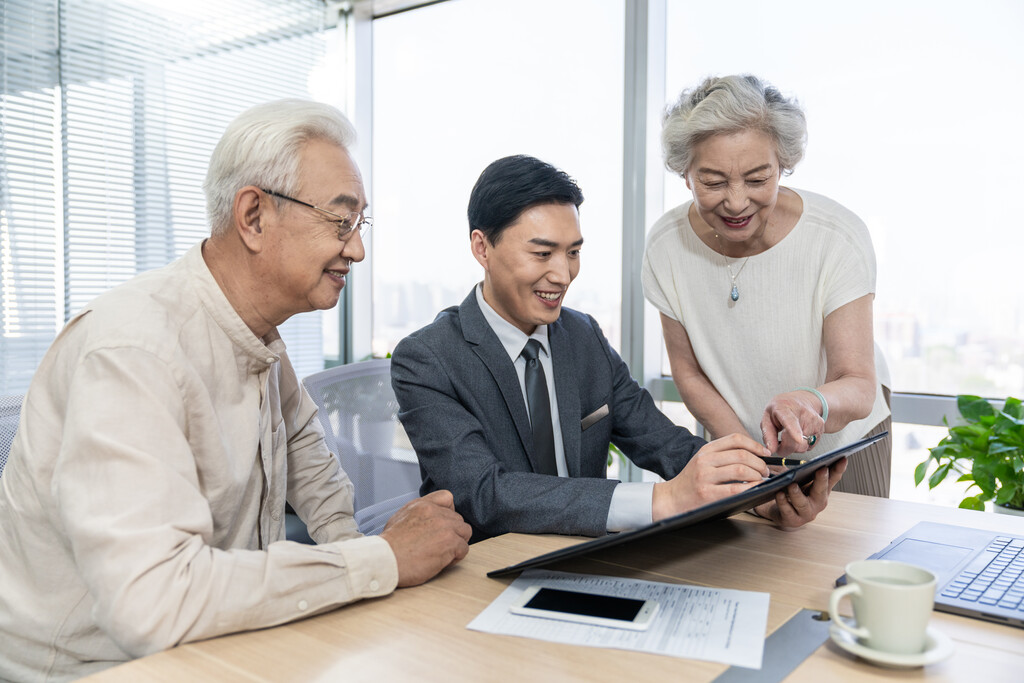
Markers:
point(374, 585)
point(303, 605)
point(270, 360)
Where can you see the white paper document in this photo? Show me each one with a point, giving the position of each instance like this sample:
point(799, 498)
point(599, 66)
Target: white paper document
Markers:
point(695, 622)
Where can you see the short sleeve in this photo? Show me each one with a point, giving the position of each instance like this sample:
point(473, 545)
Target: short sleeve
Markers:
point(653, 290)
point(659, 274)
point(850, 267)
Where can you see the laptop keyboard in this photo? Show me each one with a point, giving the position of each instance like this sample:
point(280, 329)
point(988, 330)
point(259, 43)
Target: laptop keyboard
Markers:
point(994, 577)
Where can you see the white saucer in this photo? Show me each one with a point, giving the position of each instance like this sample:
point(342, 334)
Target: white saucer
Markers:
point(938, 647)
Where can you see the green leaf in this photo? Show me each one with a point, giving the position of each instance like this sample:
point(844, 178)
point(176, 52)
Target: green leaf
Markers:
point(1004, 472)
point(938, 475)
point(1014, 408)
point(972, 503)
point(1004, 496)
point(973, 408)
point(995, 447)
point(613, 452)
point(920, 471)
point(984, 476)
point(1005, 421)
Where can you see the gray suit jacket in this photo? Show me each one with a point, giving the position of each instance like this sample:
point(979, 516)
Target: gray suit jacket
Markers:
point(463, 409)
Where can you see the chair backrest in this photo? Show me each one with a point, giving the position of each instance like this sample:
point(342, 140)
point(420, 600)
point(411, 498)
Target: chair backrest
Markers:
point(359, 413)
point(10, 413)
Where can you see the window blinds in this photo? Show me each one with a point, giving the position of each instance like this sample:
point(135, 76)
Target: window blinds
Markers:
point(31, 284)
point(110, 111)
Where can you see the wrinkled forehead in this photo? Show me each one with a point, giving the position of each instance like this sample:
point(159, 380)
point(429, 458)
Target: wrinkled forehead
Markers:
point(329, 175)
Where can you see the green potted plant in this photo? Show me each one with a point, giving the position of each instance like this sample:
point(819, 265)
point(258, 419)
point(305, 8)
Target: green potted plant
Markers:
point(986, 448)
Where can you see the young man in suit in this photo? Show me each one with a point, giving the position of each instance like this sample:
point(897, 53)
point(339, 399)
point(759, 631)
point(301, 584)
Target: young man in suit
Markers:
point(524, 448)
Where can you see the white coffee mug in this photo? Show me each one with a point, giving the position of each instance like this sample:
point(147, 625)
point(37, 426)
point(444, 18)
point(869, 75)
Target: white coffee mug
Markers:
point(892, 602)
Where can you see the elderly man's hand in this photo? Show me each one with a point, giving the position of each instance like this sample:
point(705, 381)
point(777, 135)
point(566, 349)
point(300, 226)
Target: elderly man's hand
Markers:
point(793, 507)
point(426, 535)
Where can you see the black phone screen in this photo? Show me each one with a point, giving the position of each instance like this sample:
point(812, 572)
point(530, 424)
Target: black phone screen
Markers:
point(589, 604)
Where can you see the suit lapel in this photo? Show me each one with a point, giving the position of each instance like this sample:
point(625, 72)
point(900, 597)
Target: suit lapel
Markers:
point(567, 394)
point(490, 351)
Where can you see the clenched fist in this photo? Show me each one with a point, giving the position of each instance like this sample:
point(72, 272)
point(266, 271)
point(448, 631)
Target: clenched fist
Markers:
point(426, 535)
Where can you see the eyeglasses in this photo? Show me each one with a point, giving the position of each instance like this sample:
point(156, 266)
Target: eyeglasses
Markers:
point(345, 225)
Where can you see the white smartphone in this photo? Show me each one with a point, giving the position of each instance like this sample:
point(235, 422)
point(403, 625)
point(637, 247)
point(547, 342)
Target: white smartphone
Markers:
point(586, 608)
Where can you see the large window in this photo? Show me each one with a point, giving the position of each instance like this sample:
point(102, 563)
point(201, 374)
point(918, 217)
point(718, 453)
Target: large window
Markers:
point(913, 115)
point(110, 111)
point(460, 84)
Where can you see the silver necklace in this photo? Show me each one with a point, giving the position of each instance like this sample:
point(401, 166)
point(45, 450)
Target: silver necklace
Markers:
point(734, 294)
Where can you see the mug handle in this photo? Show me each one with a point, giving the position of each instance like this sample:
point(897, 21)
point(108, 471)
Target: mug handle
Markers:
point(833, 609)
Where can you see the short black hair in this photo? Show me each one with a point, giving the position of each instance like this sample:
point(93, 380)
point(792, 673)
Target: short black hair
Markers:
point(510, 186)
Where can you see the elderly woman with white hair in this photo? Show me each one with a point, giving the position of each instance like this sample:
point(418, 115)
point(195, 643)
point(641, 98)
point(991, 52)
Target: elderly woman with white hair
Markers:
point(766, 291)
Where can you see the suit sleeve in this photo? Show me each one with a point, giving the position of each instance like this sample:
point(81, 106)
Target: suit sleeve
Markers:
point(449, 422)
point(646, 435)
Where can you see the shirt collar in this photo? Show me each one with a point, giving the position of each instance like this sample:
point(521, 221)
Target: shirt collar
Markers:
point(511, 337)
point(259, 353)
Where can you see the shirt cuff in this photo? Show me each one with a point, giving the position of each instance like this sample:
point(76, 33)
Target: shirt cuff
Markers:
point(631, 506)
point(371, 564)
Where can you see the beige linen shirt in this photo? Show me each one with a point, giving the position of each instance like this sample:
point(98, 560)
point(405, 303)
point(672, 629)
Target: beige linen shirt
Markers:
point(143, 502)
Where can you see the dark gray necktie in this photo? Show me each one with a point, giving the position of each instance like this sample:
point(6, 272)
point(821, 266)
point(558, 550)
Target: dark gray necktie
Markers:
point(540, 410)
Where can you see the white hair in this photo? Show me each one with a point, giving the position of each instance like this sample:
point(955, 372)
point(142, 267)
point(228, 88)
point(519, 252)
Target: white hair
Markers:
point(730, 104)
point(262, 147)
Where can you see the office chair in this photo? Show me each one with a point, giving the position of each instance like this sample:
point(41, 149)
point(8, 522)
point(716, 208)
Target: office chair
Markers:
point(359, 413)
point(10, 413)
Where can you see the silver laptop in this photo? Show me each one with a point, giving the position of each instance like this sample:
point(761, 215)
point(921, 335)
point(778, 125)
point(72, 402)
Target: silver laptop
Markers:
point(980, 573)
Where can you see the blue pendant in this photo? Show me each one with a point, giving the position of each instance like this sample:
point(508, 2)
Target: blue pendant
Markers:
point(735, 294)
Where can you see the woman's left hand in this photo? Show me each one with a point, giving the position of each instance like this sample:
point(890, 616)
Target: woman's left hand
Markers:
point(792, 423)
point(794, 507)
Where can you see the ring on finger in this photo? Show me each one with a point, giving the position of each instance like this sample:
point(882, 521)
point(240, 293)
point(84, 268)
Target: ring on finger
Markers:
point(811, 440)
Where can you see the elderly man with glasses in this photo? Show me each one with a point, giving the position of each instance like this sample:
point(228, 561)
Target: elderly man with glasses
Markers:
point(143, 502)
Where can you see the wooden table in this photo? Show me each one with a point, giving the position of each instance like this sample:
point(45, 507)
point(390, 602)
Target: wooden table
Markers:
point(419, 634)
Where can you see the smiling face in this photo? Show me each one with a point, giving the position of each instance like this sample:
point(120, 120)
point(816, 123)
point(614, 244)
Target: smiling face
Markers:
point(735, 184)
point(527, 273)
point(307, 263)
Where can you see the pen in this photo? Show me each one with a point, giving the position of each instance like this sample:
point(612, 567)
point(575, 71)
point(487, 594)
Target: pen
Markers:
point(787, 462)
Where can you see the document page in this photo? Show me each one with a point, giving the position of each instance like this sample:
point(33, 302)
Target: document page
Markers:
point(695, 622)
